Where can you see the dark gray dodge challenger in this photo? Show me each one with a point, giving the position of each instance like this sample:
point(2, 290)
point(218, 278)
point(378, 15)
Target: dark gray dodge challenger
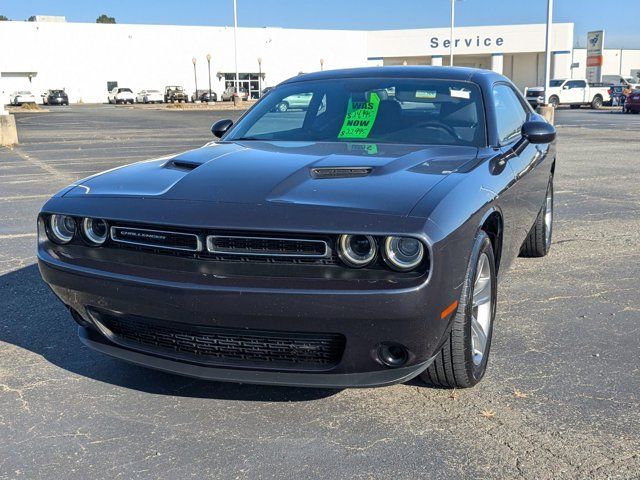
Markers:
point(348, 230)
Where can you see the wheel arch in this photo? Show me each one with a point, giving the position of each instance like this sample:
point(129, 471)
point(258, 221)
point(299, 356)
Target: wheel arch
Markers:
point(493, 225)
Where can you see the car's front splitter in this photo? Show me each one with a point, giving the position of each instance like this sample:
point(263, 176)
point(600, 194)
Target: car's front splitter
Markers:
point(377, 378)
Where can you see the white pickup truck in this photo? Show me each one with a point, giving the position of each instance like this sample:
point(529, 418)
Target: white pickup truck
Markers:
point(573, 92)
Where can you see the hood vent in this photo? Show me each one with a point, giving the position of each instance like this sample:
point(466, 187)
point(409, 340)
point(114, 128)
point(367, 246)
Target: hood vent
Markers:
point(182, 165)
point(340, 172)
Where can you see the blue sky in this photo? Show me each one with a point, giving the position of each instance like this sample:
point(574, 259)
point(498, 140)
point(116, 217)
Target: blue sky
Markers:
point(621, 30)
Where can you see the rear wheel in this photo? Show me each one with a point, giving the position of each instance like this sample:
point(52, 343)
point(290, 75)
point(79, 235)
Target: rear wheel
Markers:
point(462, 361)
point(538, 242)
point(596, 103)
point(282, 106)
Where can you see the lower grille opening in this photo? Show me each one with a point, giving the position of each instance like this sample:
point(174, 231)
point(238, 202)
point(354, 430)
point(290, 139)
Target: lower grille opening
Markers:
point(223, 346)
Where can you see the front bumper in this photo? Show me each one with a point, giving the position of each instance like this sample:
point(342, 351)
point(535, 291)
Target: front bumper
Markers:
point(535, 101)
point(366, 317)
point(377, 378)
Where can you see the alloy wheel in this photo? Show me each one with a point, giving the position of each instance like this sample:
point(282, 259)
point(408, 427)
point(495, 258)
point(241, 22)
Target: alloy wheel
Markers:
point(548, 216)
point(481, 309)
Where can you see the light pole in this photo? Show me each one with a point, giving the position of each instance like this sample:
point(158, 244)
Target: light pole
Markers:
point(259, 77)
point(451, 36)
point(453, 16)
point(235, 43)
point(209, 65)
point(547, 55)
point(195, 76)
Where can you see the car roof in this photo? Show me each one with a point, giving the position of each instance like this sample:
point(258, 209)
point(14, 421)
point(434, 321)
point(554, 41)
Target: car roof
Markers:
point(476, 75)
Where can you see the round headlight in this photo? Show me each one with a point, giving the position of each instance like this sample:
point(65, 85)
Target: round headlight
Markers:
point(357, 250)
point(403, 253)
point(62, 228)
point(94, 230)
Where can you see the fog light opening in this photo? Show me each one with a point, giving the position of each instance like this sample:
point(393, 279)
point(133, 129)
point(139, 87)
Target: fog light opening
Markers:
point(78, 318)
point(392, 354)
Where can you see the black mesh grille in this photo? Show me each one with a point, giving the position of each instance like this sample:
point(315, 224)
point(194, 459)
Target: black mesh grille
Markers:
point(266, 246)
point(227, 346)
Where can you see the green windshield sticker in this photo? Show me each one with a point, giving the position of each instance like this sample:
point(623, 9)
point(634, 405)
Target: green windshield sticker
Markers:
point(360, 118)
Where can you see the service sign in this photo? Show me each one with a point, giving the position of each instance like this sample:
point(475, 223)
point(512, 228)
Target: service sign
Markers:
point(595, 46)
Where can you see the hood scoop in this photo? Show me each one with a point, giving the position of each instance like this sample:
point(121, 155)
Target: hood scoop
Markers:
point(182, 165)
point(340, 172)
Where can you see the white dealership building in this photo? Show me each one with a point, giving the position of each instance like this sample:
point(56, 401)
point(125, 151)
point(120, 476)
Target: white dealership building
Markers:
point(86, 58)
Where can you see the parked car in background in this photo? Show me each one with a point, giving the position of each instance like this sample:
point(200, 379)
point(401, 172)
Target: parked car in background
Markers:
point(227, 95)
point(57, 97)
point(203, 96)
point(294, 102)
point(149, 96)
point(121, 95)
point(21, 97)
point(357, 243)
point(572, 92)
point(620, 80)
point(175, 93)
point(632, 104)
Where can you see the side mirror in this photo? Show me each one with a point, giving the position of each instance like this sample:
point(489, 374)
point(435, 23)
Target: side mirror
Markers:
point(566, 87)
point(538, 131)
point(220, 127)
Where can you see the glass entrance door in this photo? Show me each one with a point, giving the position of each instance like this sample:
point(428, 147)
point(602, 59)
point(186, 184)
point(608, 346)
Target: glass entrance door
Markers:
point(248, 81)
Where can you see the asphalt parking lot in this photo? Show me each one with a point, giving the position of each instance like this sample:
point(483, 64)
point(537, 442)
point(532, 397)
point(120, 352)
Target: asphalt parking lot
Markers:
point(560, 399)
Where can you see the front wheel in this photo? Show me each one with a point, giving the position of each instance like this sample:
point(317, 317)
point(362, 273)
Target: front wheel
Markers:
point(554, 101)
point(462, 361)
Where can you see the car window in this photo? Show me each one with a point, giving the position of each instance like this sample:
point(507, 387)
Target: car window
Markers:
point(576, 84)
point(510, 114)
point(383, 110)
point(556, 83)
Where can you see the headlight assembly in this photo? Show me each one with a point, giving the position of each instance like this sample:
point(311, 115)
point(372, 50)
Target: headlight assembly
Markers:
point(357, 250)
point(62, 228)
point(95, 231)
point(403, 253)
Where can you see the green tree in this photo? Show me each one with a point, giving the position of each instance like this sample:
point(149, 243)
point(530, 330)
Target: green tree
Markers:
point(3, 18)
point(32, 18)
point(105, 19)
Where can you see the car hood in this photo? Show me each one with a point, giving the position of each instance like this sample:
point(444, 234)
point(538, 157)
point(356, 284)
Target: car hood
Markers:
point(379, 178)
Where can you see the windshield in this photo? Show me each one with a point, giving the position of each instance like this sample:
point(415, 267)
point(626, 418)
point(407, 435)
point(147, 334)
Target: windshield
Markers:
point(121, 90)
point(24, 93)
point(556, 83)
point(389, 110)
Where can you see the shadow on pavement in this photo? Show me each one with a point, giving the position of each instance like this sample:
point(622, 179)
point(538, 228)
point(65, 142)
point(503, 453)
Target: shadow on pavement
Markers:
point(31, 317)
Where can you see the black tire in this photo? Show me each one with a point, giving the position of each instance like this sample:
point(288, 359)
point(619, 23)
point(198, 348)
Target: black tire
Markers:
point(575, 106)
point(597, 102)
point(454, 365)
point(538, 242)
point(282, 107)
point(554, 101)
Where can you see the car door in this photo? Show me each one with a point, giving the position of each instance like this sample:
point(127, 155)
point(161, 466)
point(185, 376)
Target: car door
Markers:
point(524, 159)
point(575, 91)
